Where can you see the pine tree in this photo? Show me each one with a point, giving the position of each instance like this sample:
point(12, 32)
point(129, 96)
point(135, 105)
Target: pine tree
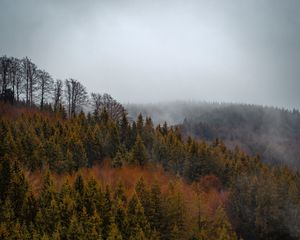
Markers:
point(75, 230)
point(9, 146)
point(137, 218)
point(30, 208)
point(95, 231)
point(114, 233)
point(138, 234)
point(117, 161)
point(56, 234)
point(175, 233)
point(66, 211)
point(148, 134)
point(50, 217)
point(5, 177)
point(79, 185)
point(121, 219)
point(76, 147)
point(140, 124)
point(106, 212)
point(92, 197)
point(7, 217)
point(222, 227)
point(18, 189)
point(47, 191)
point(114, 140)
point(94, 145)
point(175, 213)
point(155, 209)
point(120, 193)
point(133, 135)
point(144, 196)
point(139, 153)
point(124, 131)
point(79, 188)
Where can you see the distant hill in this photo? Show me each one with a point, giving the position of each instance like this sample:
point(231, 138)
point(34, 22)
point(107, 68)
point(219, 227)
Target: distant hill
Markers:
point(272, 133)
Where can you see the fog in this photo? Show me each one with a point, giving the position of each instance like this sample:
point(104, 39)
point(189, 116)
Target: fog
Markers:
point(270, 132)
point(162, 50)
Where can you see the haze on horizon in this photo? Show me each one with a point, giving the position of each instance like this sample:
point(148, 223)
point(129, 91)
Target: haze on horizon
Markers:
point(161, 50)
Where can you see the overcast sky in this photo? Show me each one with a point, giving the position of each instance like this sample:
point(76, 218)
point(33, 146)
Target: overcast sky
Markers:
point(160, 50)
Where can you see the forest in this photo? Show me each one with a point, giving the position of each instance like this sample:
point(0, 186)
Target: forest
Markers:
point(271, 132)
point(76, 166)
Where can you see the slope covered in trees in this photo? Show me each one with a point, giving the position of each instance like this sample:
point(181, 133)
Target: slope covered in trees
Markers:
point(262, 201)
point(105, 176)
point(271, 132)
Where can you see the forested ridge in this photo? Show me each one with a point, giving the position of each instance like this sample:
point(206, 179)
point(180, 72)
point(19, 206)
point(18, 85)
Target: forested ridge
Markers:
point(67, 174)
point(271, 132)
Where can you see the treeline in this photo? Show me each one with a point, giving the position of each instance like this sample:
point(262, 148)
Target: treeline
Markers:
point(263, 200)
point(271, 132)
point(23, 83)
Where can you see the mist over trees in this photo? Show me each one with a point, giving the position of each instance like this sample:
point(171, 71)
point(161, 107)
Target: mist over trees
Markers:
point(233, 194)
point(67, 174)
point(271, 132)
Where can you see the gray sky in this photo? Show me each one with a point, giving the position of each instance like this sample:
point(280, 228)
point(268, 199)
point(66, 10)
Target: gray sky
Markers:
point(162, 50)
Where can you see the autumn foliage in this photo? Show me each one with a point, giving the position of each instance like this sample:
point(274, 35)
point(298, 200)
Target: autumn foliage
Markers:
point(93, 177)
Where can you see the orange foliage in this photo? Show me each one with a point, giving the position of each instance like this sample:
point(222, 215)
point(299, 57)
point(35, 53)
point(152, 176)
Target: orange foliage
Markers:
point(104, 174)
point(210, 182)
point(13, 112)
point(210, 194)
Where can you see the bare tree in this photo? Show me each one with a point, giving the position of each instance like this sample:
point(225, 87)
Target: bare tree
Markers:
point(114, 109)
point(15, 77)
point(5, 64)
point(18, 81)
point(45, 84)
point(76, 95)
point(57, 94)
point(30, 74)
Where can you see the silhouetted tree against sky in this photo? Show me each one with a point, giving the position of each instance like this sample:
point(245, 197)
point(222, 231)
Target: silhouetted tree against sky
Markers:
point(57, 94)
point(114, 109)
point(30, 74)
point(5, 63)
point(76, 95)
point(45, 85)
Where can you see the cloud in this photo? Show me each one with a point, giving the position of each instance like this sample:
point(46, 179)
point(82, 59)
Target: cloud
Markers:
point(149, 51)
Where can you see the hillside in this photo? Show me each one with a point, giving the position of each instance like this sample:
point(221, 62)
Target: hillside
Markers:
point(69, 169)
point(200, 139)
point(272, 133)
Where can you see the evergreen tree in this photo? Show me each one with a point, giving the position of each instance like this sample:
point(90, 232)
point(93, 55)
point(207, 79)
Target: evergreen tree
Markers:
point(118, 160)
point(139, 153)
point(106, 212)
point(114, 233)
point(155, 209)
point(138, 234)
point(18, 188)
point(124, 131)
point(47, 192)
point(75, 230)
point(5, 177)
point(140, 124)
